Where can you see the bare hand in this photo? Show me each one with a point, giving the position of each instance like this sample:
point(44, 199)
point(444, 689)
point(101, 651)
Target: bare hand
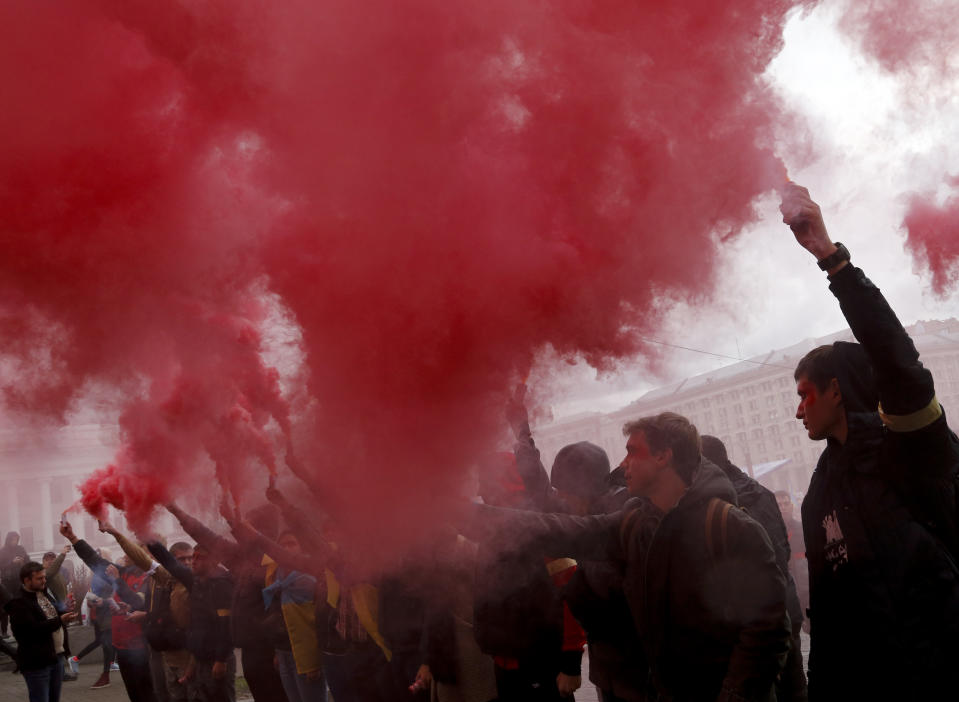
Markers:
point(66, 549)
point(106, 527)
point(67, 532)
point(568, 684)
point(219, 670)
point(228, 513)
point(112, 572)
point(805, 219)
point(137, 616)
point(423, 676)
point(189, 674)
point(68, 617)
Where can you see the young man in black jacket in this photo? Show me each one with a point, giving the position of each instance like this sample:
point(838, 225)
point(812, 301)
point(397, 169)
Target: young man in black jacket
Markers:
point(209, 640)
point(41, 634)
point(879, 518)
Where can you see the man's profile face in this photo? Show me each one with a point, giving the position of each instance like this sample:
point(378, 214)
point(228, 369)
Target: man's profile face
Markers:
point(36, 582)
point(641, 465)
point(820, 412)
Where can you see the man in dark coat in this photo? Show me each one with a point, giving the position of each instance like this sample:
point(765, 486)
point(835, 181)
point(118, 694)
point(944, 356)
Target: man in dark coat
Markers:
point(760, 504)
point(699, 575)
point(41, 634)
point(12, 558)
point(880, 514)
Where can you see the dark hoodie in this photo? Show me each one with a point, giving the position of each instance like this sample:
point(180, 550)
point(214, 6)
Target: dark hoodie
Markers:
point(10, 571)
point(713, 623)
point(879, 520)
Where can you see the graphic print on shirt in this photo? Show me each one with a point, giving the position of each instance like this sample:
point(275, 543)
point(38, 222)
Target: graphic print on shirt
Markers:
point(837, 552)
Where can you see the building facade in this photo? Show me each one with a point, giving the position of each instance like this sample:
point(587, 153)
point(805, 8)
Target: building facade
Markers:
point(751, 405)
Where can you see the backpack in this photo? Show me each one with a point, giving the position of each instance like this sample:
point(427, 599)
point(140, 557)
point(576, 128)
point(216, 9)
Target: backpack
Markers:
point(159, 628)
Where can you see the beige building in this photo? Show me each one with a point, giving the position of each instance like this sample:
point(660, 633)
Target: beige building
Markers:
point(751, 406)
point(39, 476)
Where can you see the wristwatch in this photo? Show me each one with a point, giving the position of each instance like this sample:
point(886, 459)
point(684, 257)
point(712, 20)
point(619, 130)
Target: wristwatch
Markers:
point(835, 258)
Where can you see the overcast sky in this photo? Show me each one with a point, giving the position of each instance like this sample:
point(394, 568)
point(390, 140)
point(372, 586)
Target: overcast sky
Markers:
point(873, 139)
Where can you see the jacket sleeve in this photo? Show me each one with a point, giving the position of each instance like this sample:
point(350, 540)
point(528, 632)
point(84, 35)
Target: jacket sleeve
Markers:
point(171, 565)
point(906, 393)
point(202, 534)
point(54, 568)
point(127, 594)
point(94, 561)
point(756, 592)
point(583, 538)
point(222, 600)
point(531, 469)
point(139, 556)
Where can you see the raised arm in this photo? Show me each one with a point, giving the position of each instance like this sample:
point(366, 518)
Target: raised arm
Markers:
point(528, 461)
point(171, 564)
point(58, 563)
point(583, 538)
point(87, 554)
point(138, 555)
point(311, 538)
point(226, 549)
point(906, 392)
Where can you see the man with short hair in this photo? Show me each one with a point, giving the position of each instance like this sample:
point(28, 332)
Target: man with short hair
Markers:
point(880, 514)
point(699, 575)
point(58, 588)
point(212, 668)
point(41, 634)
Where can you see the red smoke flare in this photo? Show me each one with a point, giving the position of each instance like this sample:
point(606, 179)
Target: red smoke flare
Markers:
point(933, 237)
point(427, 193)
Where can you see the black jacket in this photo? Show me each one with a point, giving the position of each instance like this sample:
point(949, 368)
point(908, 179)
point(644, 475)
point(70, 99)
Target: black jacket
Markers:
point(209, 636)
point(879, 521)
point(713, 623)
point(33, 631)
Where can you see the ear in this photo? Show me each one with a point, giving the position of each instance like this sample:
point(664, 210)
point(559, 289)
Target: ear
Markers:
point(833, 392)
point(665, 457)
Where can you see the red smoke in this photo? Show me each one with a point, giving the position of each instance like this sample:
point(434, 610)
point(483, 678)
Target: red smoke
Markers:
point(933, 237)
point(427, 193)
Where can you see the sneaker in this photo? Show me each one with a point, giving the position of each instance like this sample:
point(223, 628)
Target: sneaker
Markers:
point(114, 667)
point(69, 678)
point(102, 681)
point(75, 665)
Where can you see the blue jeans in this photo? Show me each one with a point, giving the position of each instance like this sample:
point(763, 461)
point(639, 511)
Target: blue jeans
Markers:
point(297, 686)
point(43, 685)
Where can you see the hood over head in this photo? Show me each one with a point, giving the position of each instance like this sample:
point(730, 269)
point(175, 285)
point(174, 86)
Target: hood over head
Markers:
point(581, 469)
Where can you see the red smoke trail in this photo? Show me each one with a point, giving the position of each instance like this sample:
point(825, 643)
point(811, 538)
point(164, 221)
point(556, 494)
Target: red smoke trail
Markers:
point(431, 191)
point(933, 237)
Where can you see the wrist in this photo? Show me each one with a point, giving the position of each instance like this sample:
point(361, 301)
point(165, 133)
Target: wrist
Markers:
point(823, 249)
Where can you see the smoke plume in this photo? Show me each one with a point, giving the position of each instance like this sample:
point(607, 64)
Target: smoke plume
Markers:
point(425, 194)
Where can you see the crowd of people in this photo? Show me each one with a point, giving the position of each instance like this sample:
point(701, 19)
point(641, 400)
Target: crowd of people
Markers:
point(684, 578)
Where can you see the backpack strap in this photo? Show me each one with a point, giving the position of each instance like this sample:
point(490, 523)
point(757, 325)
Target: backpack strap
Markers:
point(722, 507)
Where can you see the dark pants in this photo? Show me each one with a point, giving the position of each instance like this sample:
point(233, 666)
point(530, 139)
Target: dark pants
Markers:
point(160, 691)
point(210, 689)
point(135, 670)
point(104, 638)
point(527, 685)
point(43, 685)
point(261, 676)
point(8, 650)
point(358, 675)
